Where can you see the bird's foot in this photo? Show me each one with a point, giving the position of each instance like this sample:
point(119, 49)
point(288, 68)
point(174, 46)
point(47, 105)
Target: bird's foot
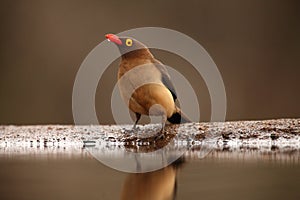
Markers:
point(136, 128)
point(131, 132)
point(160, 136)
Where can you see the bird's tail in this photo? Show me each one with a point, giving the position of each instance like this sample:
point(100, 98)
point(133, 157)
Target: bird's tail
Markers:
point(179, 117)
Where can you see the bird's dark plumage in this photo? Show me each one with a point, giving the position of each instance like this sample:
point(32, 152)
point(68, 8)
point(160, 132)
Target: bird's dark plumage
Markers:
point(166, 78)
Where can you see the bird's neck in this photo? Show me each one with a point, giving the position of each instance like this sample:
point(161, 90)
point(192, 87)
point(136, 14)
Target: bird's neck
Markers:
point(133, 59)
point(138, 54)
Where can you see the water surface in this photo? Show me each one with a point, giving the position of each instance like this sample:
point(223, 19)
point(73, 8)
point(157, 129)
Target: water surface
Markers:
point(220, 175)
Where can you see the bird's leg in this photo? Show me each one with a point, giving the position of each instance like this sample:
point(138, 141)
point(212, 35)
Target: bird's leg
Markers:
point(131, 131)
point(160, 134)
point(138, 117)
point(163, 122)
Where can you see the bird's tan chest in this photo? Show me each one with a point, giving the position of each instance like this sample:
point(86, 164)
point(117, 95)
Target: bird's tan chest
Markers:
point(141, 87)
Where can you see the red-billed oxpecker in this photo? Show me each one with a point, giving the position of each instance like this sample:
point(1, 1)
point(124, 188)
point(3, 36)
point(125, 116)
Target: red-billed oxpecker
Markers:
point(144, 82)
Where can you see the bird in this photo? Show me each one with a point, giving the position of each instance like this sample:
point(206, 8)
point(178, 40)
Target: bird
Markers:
point(144, 82)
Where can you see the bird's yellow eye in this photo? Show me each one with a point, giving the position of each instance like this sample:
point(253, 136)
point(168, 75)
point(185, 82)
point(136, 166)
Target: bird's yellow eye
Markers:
point(129, 42)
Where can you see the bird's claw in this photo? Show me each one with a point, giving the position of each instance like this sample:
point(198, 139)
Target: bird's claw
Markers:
point(129, 131)
point(160, 136)
point(136, 128)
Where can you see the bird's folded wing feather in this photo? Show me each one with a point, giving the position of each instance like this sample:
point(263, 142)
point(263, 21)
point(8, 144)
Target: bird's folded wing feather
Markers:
point(166, 78)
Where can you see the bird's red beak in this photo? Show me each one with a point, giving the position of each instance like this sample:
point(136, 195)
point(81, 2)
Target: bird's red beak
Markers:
point(113, 38)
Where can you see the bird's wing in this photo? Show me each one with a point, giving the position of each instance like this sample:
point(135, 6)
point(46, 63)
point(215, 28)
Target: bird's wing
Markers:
point(166, 78)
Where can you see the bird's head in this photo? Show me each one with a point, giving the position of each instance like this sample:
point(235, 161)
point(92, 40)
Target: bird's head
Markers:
point(127, 45)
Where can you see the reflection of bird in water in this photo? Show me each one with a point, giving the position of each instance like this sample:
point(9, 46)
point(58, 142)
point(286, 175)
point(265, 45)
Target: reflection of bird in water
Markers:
point(157, 185)
point(147, 88)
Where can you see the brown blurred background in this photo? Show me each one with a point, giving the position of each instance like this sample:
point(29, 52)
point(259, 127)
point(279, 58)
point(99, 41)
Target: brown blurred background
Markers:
point(255, 44)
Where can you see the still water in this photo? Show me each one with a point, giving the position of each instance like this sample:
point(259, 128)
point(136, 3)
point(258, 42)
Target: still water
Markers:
point(220, 175)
